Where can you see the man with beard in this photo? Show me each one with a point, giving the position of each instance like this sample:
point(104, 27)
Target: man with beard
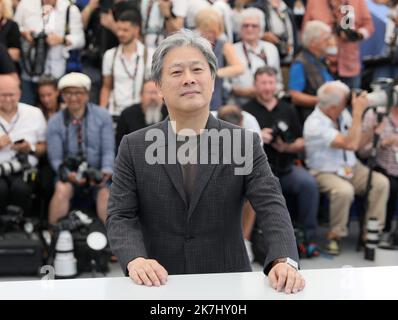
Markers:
point(125, 67)
point(150, 111)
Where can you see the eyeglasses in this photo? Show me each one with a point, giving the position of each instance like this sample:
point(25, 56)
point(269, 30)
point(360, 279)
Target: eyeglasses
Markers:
point(77, 94)
point(250, 25)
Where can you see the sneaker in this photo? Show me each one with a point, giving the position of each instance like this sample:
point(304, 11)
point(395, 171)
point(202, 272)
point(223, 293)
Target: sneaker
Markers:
point(333, 247)
point(386, 241)
point(313, 250)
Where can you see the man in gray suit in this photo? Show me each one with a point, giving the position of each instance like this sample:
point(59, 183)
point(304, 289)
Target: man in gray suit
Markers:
point(169, 215)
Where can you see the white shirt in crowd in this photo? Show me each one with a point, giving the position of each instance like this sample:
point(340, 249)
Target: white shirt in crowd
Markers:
point(249, 122)
point(153, 19)
point(282, 26)
point(127, 75)
point(194, 7)
point(28, 124)
point(252, 62)
point(319, 132)
point(223, 8)
point(29, 16)
point(390, 26)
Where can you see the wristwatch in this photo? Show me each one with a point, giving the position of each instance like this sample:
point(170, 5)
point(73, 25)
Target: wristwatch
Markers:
point(287, 260)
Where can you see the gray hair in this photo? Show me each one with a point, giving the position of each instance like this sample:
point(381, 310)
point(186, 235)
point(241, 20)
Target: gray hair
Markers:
point(332, 93)
point(182, 38)
point(256, 13)
point(313, 30)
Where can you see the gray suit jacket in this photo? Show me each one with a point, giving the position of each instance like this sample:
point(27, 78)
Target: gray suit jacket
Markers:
point(148, 215)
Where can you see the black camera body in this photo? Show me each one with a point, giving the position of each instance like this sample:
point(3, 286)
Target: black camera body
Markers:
point(34, 59)
point(19, 164)
point(281, 129)
point(93, 175)
point(351, 35)
point(355, 92)
point(283, 46)
point(79, 165)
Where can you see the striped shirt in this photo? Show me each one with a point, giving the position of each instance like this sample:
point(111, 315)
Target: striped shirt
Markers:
point(386, 157)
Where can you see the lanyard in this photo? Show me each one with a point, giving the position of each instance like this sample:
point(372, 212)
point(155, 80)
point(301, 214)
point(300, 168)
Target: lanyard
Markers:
point(134, 75)
point(79, 132)
point(12, 125)
point(148, 13)
point(344, 151)
point(131, 76)
point(282, 15)
point(262, 55)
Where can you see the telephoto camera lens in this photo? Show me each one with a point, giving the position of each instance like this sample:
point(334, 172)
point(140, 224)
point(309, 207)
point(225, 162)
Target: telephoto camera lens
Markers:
point(65, 263)
point(372, 238)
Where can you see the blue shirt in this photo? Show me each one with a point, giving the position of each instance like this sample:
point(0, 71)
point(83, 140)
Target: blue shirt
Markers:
point(297, 78)
point(98, 139)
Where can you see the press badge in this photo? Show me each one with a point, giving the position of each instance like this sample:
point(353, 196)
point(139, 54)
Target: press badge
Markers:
point(396, 156)
point(346, 172)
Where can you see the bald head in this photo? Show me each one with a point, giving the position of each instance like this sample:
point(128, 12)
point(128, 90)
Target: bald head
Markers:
point(9, 80)
point(10, 93)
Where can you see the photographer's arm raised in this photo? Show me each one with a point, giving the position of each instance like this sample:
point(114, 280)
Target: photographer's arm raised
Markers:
point(352, 141)
point(88, 10)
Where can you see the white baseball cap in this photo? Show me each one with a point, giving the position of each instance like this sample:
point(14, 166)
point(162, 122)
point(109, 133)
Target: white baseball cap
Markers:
point(74, 79)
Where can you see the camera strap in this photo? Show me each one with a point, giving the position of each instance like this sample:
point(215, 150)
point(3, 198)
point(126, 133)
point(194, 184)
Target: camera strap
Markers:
point(262, 55)
point(131, 76)
point(13, 123)
point(79, 132)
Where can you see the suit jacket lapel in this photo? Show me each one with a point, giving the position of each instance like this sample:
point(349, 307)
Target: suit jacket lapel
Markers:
point(173, 170)
point(205, 171)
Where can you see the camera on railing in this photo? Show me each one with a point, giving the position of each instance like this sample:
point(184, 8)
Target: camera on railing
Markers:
point(76, 219)
point(79, 165)
point(13, 220)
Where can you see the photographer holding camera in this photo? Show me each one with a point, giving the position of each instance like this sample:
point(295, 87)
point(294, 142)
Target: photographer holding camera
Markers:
point(81, 148)
point(280, 28)
point(351, 22)
point(22, 141)
point(331, 137)
point(281, 134)
point(47, 40)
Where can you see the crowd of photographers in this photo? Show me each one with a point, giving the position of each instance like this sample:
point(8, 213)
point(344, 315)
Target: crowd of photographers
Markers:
point(76, 78)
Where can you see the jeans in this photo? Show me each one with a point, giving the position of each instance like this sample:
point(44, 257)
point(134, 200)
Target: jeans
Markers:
point(14, 191)
point(300, 183)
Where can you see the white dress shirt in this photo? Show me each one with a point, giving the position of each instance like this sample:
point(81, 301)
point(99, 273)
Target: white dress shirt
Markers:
point(127, 89)
point(28, 124)
point(28, 15)
point(319, 133)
